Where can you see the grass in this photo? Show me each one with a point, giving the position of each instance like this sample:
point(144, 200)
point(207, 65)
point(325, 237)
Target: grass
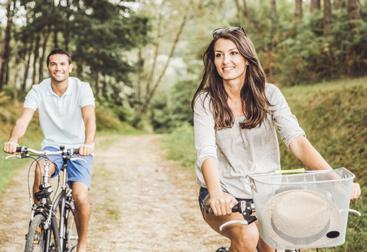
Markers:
point(179, 145)
point(334, 117)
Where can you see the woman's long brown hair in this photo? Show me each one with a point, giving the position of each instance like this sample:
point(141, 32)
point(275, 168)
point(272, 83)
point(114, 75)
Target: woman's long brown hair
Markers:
point(254, 101)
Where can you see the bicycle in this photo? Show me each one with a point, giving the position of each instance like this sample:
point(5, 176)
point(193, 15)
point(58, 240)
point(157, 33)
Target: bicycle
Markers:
point(52, 227)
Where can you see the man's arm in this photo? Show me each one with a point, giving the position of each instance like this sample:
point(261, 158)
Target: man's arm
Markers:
point(19, 130)
point(89, 118)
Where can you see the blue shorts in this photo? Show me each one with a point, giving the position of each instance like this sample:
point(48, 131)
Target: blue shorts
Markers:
point(77, 170)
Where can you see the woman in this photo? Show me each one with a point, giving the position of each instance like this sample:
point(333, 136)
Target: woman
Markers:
point(235, 117)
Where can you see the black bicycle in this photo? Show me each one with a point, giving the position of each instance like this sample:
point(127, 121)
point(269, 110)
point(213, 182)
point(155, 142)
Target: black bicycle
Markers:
point(52, 227)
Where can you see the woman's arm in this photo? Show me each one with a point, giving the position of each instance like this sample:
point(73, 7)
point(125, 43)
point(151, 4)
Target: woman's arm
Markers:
point(311, 158)
point(307, 154)
point(219, 201)
point(205, 145)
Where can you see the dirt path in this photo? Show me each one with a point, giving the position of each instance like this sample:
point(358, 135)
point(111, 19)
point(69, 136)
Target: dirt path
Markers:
point(140, 202)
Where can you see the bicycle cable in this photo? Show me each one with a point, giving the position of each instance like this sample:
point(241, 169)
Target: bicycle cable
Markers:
point(30, 195)
point(29, 188)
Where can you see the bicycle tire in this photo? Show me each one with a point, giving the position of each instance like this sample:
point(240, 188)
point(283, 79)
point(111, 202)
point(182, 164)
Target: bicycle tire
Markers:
point(71, 233)
point(36, 240)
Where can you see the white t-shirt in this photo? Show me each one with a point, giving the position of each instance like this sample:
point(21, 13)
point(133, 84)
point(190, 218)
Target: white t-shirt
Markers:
point(61, 116)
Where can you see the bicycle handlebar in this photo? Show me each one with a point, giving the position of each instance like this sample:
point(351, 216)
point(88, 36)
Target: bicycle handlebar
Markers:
point(246, 208)
point(24, 150)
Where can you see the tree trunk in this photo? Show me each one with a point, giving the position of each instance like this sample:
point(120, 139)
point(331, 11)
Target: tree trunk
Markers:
point(298, 9)
point(327, 18)
point(139, 81)
point(274, 22)
point(242, 10)
point(339, 4)
point(104, 87)
point(4, 68)
point(239, 11)
point(67, 28)
point(96, 85)
point(245, 9)
point(354, 10)
point(56, 40)
point(315, 5)
point(156, 84)
point(43, 55)
point(150, 78)
point(27, 65)
point(35, 58)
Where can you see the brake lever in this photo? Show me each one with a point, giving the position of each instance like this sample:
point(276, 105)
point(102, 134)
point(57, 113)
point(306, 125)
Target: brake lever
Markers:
point(13, 156)
point(246, 209)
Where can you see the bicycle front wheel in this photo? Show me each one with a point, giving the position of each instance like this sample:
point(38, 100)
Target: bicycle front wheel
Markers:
point(39, 239)
point(71, 233)
point(36, 236)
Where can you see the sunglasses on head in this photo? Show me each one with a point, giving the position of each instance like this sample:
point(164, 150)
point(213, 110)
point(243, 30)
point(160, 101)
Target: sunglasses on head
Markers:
point(220, 31)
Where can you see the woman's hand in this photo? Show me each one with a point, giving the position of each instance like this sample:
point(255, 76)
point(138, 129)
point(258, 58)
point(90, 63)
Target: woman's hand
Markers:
point(221, 203)
point(356, 191)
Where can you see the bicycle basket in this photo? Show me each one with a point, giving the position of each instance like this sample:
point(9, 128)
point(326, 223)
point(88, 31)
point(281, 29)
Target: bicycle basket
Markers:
point(308, 210)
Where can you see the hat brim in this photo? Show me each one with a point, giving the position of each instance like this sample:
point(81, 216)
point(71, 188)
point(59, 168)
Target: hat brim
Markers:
point(325, 234)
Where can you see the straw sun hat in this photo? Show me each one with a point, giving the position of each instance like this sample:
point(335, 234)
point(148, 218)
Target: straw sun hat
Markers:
point(300, 218)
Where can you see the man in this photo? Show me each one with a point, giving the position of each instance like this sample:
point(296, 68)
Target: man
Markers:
point(67, 118)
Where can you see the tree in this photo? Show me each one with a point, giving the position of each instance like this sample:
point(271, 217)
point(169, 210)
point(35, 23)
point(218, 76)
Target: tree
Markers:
point(274, 21)
point(4, 68)
point(163, 45)
point(315, 5)
point(354, 10)
point(327, 18)
point(298, 9)
point(339, 4)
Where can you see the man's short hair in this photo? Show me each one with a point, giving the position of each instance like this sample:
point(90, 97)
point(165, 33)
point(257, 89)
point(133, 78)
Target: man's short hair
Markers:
point(58, 51)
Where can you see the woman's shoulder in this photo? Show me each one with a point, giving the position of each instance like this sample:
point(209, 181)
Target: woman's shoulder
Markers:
point(271, 91)
point(203, 97)
point(202, 100)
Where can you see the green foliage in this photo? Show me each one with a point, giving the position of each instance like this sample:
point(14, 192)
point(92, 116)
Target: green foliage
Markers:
point(334, 117)
point(305, 55)
point(99, 34)
point(179, 145)
point(106, 119)
point(170, 111)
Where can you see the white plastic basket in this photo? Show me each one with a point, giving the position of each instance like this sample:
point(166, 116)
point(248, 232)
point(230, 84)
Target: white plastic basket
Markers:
point(307, 210)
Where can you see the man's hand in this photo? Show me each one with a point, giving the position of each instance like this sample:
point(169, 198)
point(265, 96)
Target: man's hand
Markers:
point(10, 146)
point(86, 149)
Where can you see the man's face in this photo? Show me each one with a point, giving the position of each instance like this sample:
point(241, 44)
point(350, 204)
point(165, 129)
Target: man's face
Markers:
point(59, 67)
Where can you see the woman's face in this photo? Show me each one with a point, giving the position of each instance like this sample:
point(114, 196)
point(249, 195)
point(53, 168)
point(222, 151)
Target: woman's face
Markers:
point(230, 64)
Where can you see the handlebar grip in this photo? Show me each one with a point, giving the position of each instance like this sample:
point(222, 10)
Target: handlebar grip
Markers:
point(235, 208)
point(75, 151)
point(19, 149)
